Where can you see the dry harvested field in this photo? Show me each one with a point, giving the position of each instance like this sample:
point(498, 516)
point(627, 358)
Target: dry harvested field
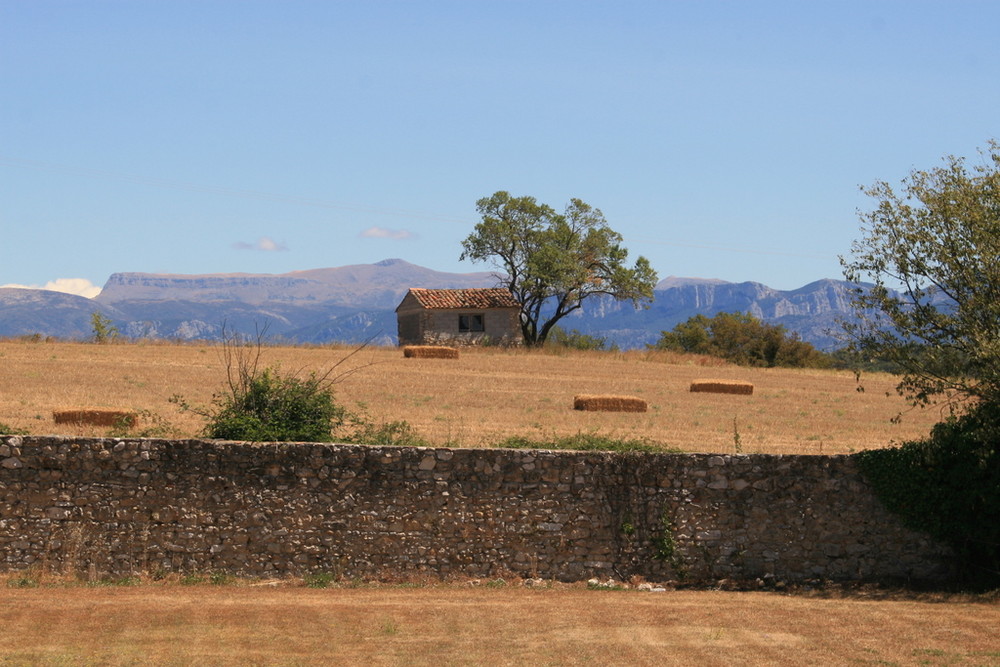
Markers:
point(481, 397)
point(477, 400)
point(239, 625)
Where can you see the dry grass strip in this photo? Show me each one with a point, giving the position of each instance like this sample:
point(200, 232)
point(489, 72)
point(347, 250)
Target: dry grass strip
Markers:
point(430, 352)
point(723, 386)
point(609, 403)
point(96, 417)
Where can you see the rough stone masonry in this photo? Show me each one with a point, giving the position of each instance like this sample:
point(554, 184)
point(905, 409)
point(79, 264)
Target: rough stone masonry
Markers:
point(125, 506)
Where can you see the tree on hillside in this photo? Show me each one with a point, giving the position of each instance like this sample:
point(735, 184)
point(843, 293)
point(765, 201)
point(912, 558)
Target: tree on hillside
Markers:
point(932, 254)
point(742, 339)
point(552, 262)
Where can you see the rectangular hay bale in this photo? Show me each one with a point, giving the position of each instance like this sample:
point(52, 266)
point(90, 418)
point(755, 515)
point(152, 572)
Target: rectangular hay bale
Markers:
point(605, 403)
point(96, 417)
point(430, 352)
point(723, 386)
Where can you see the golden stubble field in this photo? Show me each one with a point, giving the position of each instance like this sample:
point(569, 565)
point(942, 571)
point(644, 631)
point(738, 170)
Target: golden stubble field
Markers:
point(482, 397)
point(477, 400)
point(462, 625)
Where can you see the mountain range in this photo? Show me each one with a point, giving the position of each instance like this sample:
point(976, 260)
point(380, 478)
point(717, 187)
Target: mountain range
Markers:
point(357, 303)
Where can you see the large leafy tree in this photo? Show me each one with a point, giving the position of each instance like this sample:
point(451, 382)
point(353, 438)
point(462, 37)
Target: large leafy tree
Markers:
point(552, 262)
point(930, 256)
point(931, 252)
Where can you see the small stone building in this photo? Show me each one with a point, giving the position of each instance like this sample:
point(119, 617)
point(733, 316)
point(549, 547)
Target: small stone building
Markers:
point(459, 317)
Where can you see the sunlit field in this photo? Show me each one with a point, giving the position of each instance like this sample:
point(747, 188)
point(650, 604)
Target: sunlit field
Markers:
point(479, 399)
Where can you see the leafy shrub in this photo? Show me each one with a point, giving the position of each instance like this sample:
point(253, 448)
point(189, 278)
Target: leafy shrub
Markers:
point(268, 405)
point(271, 406)
point(948, 485)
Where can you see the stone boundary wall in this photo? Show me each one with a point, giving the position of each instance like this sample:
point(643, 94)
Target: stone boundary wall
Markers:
point(125, 506)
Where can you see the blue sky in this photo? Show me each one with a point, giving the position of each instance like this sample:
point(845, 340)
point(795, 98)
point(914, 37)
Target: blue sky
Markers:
point(721, 139)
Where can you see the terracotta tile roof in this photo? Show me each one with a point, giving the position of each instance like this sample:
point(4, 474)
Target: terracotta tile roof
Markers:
point(489, 297)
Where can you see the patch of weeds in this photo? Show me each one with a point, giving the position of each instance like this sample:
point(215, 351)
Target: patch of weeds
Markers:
point(112, 581)
point(155, 426)
point(984, 654)
point(587, 442)
point(221, 579)
point(319, 580)
point(10, 430)
point(192, 579)
point(390, 627)
point(495, 583)
point(22, 582)
point(929, 653)
point(665, 546)
point(387, 434)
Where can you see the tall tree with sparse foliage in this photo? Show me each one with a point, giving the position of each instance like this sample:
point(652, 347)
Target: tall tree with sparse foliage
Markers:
point(552, 262)
point(930, 256)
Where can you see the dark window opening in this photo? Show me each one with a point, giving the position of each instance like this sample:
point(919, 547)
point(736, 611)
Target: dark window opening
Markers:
point(470, 323)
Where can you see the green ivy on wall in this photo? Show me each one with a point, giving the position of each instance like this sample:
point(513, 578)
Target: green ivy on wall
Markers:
point(948, 486)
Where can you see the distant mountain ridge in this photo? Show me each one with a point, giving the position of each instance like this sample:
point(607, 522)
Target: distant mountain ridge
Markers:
point(357, 303)
point(379, 285)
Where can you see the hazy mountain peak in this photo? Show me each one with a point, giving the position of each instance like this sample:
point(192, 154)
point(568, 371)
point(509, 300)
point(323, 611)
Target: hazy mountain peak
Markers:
point(680, 281)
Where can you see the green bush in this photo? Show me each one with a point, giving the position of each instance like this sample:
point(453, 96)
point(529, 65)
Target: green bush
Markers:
point(744, 340)
point(948, 485)
point(271, 406)
point(266, 404)
point(574, 340)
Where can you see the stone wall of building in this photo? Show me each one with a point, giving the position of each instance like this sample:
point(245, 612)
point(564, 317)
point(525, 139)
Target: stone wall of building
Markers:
point(120, 506)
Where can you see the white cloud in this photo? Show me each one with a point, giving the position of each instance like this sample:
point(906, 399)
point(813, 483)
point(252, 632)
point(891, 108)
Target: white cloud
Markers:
point(264, 244)
point(383, 233)
point(77, 286)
